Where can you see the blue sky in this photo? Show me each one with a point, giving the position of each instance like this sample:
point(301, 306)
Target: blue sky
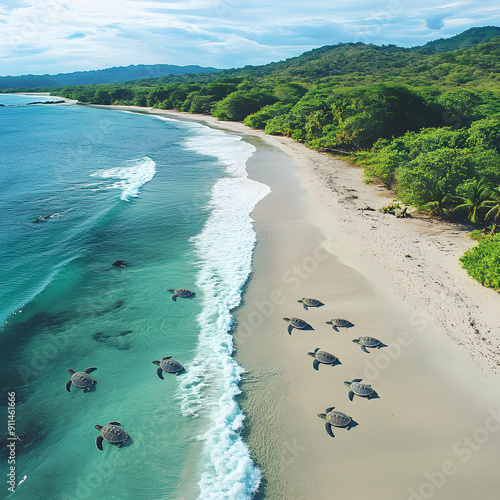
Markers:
point(58, 36)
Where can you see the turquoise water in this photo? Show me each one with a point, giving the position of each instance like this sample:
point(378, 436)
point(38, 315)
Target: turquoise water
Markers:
point(173, 200)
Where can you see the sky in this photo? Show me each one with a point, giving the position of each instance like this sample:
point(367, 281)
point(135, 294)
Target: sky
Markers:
point(60, 36)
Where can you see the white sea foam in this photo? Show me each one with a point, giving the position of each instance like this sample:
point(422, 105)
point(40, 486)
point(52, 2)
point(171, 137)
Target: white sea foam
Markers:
point(224, 249)
point(132, 175)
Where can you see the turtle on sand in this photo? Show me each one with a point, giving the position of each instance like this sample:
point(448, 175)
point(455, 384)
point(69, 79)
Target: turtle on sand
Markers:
point(81, 380)
point(339, 322)
point(296, 323)
point(365, 342)
point(306, 303)
point(111, 433)
point(180, 292)
point(322, 357)
point(359, 389)
point(168, 365)
point(336, 419)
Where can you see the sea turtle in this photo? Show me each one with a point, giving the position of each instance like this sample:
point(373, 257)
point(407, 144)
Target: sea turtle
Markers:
point(295, 323)
point(119, 263)
point(180, 292)
point(322, 357)
point(168, 365)
point(306, 303)
point(336, 322)
point(82, 380)
point(335, 418)
point(359, 389)
point(111, 433)
point(365, 342)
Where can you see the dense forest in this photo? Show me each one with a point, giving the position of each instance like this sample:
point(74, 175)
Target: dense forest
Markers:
point(425, 120)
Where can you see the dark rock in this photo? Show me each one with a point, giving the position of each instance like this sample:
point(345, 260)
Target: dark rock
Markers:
point(119, 263)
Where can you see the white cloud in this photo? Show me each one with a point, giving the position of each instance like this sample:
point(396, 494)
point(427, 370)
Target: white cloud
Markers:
point(55, 35)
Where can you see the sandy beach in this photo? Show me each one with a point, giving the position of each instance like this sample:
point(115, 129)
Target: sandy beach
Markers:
point(434, 429)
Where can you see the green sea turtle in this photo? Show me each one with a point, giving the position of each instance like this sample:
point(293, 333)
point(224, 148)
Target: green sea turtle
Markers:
point(180, 292)
point(322, 357)
point(82, 380)
point(339, 322)
point(111, 433)
point(168, 365)
point(365, 342)
point(306, 303)
point(296, 323)
point(335, 418)
point(359, 389)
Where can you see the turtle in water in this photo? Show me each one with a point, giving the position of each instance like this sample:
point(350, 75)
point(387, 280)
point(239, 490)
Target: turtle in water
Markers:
point(339, 322)
point(359, 389)
point(296, 323)
point(111, 433)
point(322, 357)
point(168, 365)
point(306, 303)
point(180, 292)
point(82, 380)
point(335, 418)
point(119, 263)
point(365, 342)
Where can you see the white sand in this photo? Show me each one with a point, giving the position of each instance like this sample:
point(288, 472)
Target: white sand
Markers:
point(435, 429)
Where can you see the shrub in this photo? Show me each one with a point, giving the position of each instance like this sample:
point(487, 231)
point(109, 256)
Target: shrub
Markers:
point(483, 261)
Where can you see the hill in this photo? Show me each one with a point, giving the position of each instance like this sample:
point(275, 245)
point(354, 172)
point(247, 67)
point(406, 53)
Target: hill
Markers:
point(109, 75)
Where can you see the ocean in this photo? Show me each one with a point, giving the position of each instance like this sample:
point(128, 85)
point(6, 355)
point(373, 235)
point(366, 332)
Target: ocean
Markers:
point(81, 188)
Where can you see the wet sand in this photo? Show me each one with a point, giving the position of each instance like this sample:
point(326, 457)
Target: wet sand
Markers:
point(434, 430)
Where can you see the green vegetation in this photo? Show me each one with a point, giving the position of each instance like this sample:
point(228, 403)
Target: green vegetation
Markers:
point(483, 261)
point(425, 120)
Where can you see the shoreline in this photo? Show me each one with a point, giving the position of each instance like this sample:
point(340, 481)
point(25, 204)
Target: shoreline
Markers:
point(315, 237)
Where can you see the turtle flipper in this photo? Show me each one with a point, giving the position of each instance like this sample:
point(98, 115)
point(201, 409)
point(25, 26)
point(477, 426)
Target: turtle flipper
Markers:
point(328, 410)
point(364, 349)
point(174, 297)
point(350, 395)
point(328, 428)
point(356, 380)
point(98, 442)
point(159, 373)
point(305, 307)
point(166, 357)
point(290, 328)
point(68, 385)
point(316, 365)
point(114, 422)
point(90, 369)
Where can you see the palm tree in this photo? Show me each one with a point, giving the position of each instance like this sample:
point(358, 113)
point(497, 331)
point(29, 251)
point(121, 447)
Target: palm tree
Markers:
point(441, 201)
point(494, 205)
point(477, 194)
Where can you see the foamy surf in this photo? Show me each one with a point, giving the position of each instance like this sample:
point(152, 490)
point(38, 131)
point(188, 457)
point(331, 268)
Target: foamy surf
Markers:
point(132, 175)
point(224, 249)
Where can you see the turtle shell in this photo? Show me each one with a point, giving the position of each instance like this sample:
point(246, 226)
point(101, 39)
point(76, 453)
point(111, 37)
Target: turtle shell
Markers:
point(298, 323)
point(369, 341)
point(361, 389)
point(312, 302)
point(339, 322)
point(326, 357)
point(81, 380)
point(114, 434)
point(171, 366)
point(183, 292)
point(338, 419)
